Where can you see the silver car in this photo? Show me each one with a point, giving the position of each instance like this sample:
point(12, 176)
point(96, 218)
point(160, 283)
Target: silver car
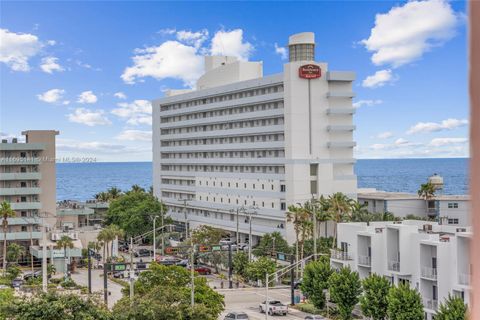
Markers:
point(236, 315)
point(314, 317)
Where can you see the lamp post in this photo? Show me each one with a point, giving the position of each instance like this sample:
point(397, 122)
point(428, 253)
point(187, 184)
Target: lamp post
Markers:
point(185, 212)
point(242, 208)
point(154, 239)
point(314, 213)
point(254, 208)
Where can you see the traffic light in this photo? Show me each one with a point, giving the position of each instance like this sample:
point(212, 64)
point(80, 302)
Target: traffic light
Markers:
point(202, 248)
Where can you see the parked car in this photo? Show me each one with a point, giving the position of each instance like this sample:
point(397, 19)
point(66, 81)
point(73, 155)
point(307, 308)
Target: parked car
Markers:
point(34, 275)
point(314, 317)
point(182, 263)
point(141, 265)
point(143, 253)
point(274, 307)
point(203, 270)
point(17, 283)
point(226, 242)
point(225, 247)
point(243, 246)
point(236, 315)
point(119, 274)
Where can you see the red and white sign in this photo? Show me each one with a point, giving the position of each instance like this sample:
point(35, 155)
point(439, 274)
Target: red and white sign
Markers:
point(309, 71)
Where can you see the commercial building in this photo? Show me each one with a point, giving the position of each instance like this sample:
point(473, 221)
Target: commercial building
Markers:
point(432, 258)
point(28, 183)
point(253, 144)
point(449, 209)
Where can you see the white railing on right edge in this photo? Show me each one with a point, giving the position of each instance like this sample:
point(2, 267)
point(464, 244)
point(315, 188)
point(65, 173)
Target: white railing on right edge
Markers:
point(394, 265)
point(430, 304)
point(365, 260)
point(429, 273)
point(464, 278)
point(340, 255)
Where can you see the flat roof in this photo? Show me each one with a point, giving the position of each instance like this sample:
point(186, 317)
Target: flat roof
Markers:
point(384, 195)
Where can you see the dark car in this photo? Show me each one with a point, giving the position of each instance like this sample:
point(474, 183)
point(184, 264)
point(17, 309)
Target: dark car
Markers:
point(203, 270)
point(141, 265)
point(297, 284)
point(236, 315)
point(143, 253)
point(314, 317)
point(17, 283)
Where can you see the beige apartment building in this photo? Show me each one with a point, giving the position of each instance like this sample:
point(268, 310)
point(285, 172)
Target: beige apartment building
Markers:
point(28, 183)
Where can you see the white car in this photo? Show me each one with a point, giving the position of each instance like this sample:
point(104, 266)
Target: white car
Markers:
point(274, 307)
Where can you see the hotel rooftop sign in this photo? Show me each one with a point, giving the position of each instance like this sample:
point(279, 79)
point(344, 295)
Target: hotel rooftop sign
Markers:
point(309, 71)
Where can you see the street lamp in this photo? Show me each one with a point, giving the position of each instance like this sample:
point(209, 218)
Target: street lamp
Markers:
point(242, 208)
point(185, 212)
point(254, 211)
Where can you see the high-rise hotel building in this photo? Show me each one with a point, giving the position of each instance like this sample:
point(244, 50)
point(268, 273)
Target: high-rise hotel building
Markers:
point(28, 183)
point(242, 140)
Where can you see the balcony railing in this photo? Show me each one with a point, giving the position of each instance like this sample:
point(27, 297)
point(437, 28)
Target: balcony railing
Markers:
point(340, 255)
point(365, 260)
point(394, 265)
point(464, 279)
point(429, 273)
point(430, 304)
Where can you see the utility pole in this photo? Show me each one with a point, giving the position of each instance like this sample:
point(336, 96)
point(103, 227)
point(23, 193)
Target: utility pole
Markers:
point(314, 228)
point(266, 295)
point(230, 267)
point(192, 277)
point(250, 242)
point(154, 240)
point(185, 213)
point(132, 272)
point(163, 236)
point(105, 283)
point(89, 255)
point(292, 280)
point(238, 235)
point(44, 259)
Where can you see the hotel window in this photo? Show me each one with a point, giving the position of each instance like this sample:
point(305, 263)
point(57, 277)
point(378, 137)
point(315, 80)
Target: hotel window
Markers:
point(283, 188)
point(283, 206)
point(313, 169)
point(273, 205)
point(453, 205)
point(452, 221)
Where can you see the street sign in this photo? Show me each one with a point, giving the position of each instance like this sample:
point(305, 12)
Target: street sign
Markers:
point(119, 267)
point(203, 248)
point(217, 248)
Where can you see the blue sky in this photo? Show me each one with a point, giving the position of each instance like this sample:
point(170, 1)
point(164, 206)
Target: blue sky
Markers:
point(88, 69)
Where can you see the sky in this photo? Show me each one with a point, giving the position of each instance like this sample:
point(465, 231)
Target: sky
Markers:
point(89, 69)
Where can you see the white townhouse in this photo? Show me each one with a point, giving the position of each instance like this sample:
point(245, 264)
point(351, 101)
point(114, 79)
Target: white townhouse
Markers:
point(253, 143)
point(430, 257)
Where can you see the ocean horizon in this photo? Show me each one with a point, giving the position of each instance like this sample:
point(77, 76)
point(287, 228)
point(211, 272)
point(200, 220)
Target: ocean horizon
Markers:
point(81, 181)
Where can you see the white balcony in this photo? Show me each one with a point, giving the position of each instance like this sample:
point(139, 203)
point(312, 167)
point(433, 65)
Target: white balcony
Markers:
point(25, 205)
point(23, 235)
point(429, 273)
point(342, 144)
point(19, 161)
point(340, 128)
point(464, 279)
point(19, 191)
point(430, 304)
point(21, 176)
point(394, 265)
point(341, 94)
point(22, 146)
point(341, 111)
point(340, 255)
point(365, 260)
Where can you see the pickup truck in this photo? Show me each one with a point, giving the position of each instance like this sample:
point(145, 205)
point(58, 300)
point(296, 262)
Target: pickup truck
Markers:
point(274, 307)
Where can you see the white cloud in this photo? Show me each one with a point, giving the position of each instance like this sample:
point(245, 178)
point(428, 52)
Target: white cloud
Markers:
point(88, 117)
point(401, 141)
point(385, 135)
point(448, 124)
point(51, 96)
point(135, 113)
point(230, 43)
point(50, 64)
point(406, 32)
point(379, 79)
point(171, 59)
point(120, 95)
point(438, 142)
point(87, 97)
point(17, 48)
point(282, 51)
point(193, 38)
point(91, 146)
point(367, 103)
point(135, 135)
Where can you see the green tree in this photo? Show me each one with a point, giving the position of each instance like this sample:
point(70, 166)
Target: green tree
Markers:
point(427, 192)
point(6, 300)
point(50, 306)
point(13, 272)
point(136, 188)
point(256, 270)
point(102, 197)
point(404, 303)
point(114, 193)
point(108, 235)
point(164, 293)
point(360, 213)
point(240, 262)
point(345, 288)
point(269, 242)
point(64, 243)
point(374, 299)
point(452, 309)
point(5, 212)
point(315, 280)
point(208, 235)
point(133, 213)
point(340, 207)
point(298, 216)
point(323, 246)
point(14, 252)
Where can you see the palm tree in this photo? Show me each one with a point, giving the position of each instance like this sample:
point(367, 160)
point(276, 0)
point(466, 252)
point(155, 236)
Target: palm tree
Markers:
point(114, 232)
point(114, 193)
point(137, 188)
point(102, 196)
point(323, 213)
point(102, 239)
point(427, 192)
point(64, 243)
point(340, 206)
point(15, 251)
point(300, 217)
point(6, 212)
point(360, 212)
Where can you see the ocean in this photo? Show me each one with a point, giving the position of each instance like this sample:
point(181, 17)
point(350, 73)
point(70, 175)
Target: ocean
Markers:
point(81, 181)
